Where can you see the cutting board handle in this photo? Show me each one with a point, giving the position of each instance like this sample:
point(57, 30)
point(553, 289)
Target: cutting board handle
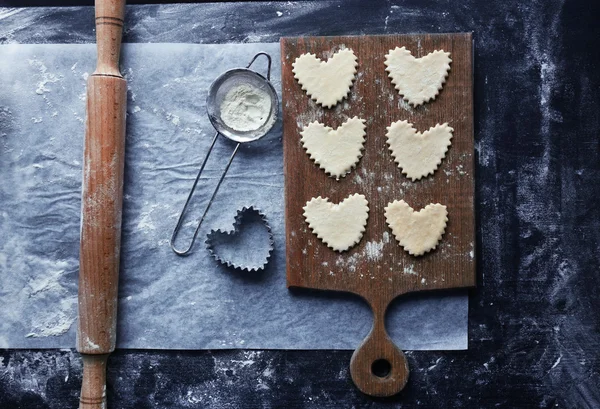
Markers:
point(378, 367)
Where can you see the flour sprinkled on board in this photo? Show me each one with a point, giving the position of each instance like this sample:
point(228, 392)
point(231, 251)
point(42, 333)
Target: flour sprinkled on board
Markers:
point(402, 104)
point(410, 269)
point(373, 250)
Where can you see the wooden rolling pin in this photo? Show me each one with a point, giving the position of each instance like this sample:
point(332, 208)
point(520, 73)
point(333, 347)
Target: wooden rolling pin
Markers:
point(102, 198)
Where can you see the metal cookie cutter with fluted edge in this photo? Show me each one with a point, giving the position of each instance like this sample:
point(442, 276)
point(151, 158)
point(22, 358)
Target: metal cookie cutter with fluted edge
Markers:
point(239, 219)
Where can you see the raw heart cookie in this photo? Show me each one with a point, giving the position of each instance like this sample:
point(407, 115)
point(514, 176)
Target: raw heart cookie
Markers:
point(418, 232)
point(418, 154)
point(335, 151)
point(418, 80)
point(340, 226)
point(326, 82)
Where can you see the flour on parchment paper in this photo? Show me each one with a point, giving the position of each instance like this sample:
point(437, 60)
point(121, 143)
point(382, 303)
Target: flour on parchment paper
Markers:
point(57, 318)
point(44, 76)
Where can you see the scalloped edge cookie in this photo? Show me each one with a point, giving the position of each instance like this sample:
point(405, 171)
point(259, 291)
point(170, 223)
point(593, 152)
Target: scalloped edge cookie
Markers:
point(326, 82)
point(340, 226)
point(417, 232)
point(418, 80)
point(336, 151)
point(418, 154)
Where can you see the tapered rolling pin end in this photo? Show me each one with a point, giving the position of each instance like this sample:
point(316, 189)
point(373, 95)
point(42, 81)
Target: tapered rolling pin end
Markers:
point(93, 388)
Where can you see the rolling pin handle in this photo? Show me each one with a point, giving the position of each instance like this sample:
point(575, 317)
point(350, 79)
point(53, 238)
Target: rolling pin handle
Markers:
point(93, 389)
point(110, 16)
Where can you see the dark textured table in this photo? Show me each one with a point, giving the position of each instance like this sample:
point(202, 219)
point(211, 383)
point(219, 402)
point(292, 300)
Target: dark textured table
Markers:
point(534, 336)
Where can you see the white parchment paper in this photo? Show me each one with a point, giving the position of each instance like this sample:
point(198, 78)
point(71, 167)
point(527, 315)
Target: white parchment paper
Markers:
point(166, 301)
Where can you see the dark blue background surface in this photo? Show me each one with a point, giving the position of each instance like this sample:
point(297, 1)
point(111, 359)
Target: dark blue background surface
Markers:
point(534, 319)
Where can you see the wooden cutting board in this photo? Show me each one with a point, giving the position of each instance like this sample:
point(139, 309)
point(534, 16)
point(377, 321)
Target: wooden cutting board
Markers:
point(377, 268)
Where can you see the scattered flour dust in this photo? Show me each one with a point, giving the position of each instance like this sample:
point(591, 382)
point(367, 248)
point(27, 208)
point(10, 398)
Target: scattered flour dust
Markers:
point(245, 108)
point(48, 282)
point(348, 262)
point(410, 269)
point(373, 250)
point(57, 320)
point(172, 118)
point(243, 367)
point(45, 77)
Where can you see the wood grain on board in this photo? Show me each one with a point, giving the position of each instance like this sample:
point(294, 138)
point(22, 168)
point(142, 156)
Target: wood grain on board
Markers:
point(377, 268)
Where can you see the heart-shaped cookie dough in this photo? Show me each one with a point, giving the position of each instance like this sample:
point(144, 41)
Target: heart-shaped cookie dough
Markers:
point(418, 154)
point(339, 226)
point(336, 151)
point(418, 232)
point(418, 80)
point(326, 82)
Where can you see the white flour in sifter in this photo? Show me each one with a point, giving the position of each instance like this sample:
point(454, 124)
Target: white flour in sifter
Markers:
point(245, 108)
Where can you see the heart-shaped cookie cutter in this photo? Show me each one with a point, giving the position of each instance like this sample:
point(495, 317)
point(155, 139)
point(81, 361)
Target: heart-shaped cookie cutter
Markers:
point(239, 217)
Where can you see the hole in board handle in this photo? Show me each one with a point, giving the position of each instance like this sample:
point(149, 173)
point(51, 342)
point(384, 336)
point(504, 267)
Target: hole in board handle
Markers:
point(381, 368)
